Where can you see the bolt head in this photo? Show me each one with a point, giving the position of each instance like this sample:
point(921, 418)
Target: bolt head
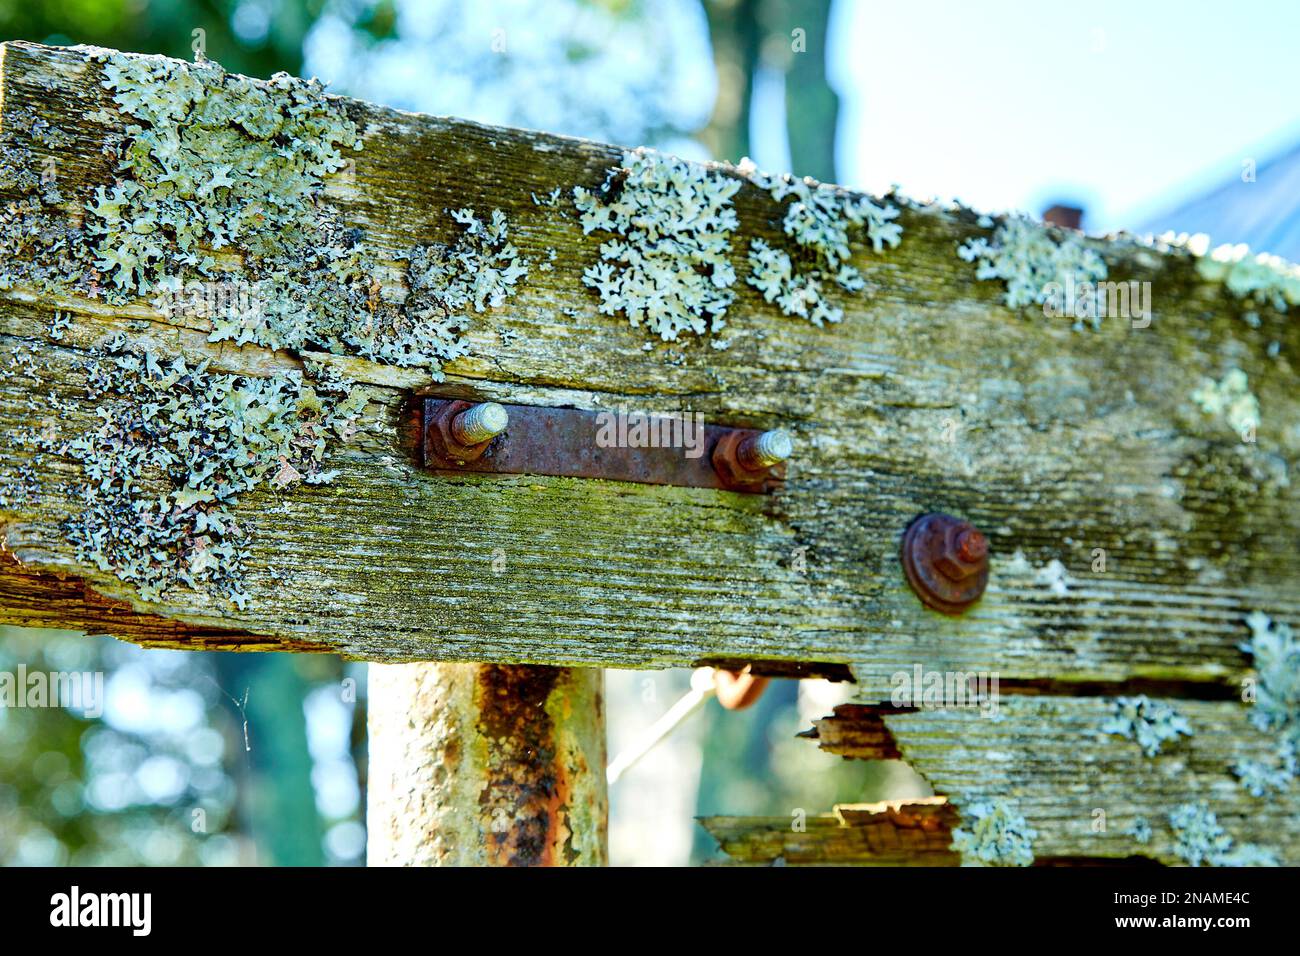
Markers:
point(962, 552)
point(972, 547)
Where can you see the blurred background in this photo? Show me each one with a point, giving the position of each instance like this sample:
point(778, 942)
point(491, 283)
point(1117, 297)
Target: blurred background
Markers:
point(1169, 114)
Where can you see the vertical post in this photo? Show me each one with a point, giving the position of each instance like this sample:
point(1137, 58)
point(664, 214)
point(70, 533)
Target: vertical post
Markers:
point(486, 764)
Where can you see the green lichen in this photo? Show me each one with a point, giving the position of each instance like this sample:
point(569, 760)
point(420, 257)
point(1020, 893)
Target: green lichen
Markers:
point(211, 163)
point(40, 245)
point(1276, 708)
point(1200, 838)
point(668, 267)
point(818, 219)
point(1140, 830)
point(23, 455)
point(1262, 778)
point(1031, 261)
point(212, 160)
point(216, 212)
point(478, 272)
point(1231, 398)
point(1150, 723)
point(1261, 279)
point(994, 834)
point(177, 447)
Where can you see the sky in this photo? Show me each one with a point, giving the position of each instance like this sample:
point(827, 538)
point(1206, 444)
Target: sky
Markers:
point(1124, 108)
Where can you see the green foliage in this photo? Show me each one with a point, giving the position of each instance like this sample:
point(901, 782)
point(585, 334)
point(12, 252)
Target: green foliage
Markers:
point(258, 47)
point(122, 790)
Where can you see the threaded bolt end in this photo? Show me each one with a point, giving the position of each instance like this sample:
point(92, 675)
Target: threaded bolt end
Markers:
point(481, 423)
point(972, 546)
point(765, 450)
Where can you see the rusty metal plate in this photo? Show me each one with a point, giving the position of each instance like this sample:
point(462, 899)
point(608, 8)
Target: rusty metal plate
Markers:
point(564, 442)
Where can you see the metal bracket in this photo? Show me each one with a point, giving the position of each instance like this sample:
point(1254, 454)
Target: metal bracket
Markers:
point(564, 442)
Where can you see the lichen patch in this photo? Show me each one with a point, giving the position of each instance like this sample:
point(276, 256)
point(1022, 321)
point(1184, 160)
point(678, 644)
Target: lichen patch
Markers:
point(1200, 838)
point(994, 833)
point(1031, 261)
point(667, 267)
point(1151, 724)
point(211, 160)
point(176, 448)
point(1275, 651)
point(818, 221)
point(1262, 279)
point(1230, 398)
point(477, 272)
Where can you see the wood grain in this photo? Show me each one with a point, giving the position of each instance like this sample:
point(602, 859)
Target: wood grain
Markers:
point(1082, 790)
point(1062, 442)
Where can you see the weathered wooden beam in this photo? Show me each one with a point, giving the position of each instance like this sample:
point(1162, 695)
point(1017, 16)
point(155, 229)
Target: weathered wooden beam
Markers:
point(931, 394)
point(486, 765)
point(892, 833)
point(1087, 793)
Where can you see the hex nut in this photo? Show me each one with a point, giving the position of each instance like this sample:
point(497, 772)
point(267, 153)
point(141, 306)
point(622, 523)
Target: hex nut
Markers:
point(946, 562)
point(440, 444)
point(732, 471)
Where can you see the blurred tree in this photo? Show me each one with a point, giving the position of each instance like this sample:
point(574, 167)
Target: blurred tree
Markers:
point(256, 37)
point(141, 784)
point(788, 38)
point(623, 71)
point(271, 763)
point(736, 36)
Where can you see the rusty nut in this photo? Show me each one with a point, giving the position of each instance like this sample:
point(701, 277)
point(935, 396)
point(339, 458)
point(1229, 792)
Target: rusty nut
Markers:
point(730, 461)
point(441, 445)
point(946, 562)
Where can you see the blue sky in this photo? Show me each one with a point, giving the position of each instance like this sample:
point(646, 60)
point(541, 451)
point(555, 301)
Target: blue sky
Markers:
point(1124, 107)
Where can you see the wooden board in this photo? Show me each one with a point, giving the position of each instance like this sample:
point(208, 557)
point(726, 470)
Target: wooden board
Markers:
point(1082, 790)
point(1062, 441)
point(900, 833)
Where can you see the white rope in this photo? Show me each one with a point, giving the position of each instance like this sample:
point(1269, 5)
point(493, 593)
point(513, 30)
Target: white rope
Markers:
point(701, 690)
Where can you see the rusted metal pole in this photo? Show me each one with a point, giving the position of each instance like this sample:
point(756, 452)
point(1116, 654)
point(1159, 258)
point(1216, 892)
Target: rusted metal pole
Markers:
point(486, 765)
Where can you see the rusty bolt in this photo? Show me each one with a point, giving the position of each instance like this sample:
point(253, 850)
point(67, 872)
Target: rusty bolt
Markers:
point(946, 562)
point(480, 424)
point(749, 459)
point(447, 432)
point(765, 449)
